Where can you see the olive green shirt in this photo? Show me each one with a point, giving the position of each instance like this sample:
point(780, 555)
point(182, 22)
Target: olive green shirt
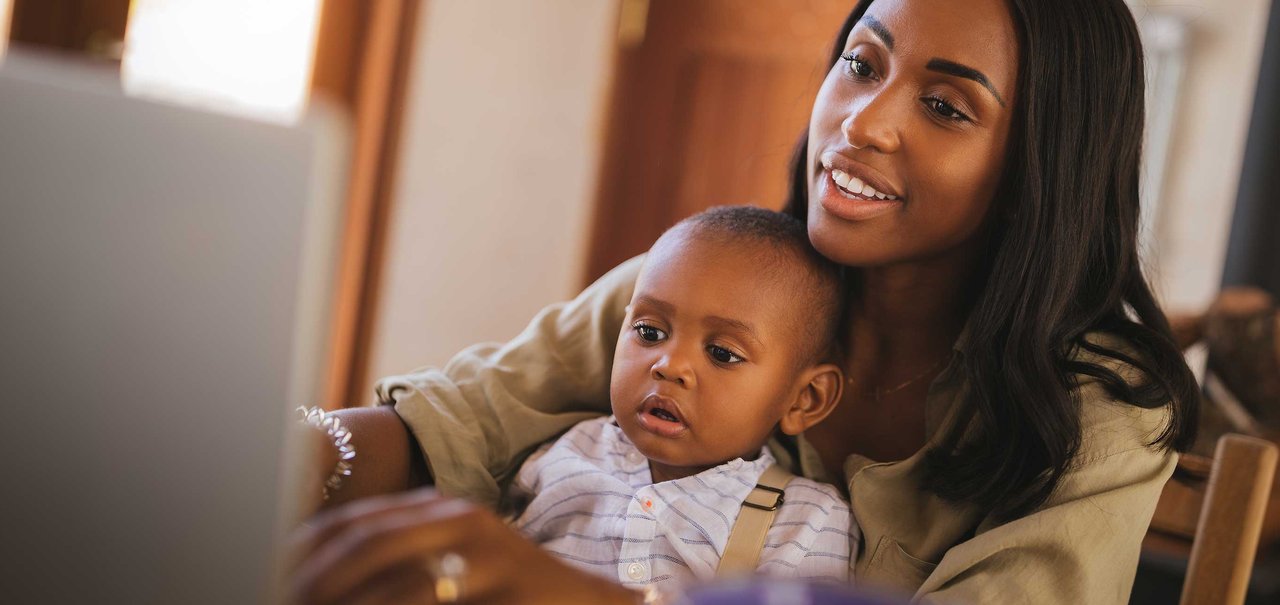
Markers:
point(477, 418)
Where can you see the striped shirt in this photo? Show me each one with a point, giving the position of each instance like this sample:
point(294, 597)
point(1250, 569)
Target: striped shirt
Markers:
point(593, 503)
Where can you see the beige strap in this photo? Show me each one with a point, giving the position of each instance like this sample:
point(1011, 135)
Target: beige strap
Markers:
point(746, 539)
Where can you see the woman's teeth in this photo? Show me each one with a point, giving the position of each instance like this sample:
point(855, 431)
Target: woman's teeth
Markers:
point(854, 185)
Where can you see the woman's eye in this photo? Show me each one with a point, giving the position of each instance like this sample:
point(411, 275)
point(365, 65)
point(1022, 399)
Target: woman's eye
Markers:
point(858, 66)
point(944, 110)
point(649, 333)
point(722, 354)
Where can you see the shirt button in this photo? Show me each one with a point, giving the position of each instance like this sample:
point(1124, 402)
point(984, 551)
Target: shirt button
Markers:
point(635, 571)
point(635, 458)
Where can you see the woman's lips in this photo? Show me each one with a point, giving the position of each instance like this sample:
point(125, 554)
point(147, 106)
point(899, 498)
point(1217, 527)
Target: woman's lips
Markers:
point(655, 416)
point(851, 206)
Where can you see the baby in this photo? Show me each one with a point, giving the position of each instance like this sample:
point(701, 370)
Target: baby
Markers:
point(727, 340)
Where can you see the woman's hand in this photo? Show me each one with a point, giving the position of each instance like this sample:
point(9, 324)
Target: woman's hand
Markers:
point(381, 549)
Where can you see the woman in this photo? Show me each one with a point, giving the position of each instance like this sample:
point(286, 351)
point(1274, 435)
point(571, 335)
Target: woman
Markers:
point(975, 165)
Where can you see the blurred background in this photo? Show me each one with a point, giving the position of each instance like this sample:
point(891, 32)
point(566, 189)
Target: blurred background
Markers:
point(504, 153)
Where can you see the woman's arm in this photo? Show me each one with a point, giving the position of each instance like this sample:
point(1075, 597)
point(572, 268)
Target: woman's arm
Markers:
point(462, 427)
point(474, 418)
point(387, 460)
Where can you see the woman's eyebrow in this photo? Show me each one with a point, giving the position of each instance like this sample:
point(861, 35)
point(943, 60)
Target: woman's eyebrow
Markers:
point(963, 71)
point(879, 29)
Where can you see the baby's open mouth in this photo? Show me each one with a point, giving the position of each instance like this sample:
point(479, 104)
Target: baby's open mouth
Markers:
point(663, 414)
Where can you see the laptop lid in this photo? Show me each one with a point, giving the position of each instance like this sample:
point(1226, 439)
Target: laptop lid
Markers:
point(165, 275)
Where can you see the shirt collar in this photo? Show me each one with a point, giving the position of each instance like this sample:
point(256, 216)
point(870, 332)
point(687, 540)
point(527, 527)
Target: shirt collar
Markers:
point(746, 470)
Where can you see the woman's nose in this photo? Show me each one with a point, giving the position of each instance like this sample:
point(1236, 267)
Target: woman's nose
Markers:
point(672, 367)
point(874, 122)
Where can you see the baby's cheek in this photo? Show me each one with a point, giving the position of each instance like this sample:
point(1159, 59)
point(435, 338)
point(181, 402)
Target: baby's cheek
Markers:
point(626, 371)
point(737, 425)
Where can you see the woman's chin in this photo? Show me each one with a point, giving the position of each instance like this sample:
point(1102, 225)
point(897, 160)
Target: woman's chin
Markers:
point(849, 244)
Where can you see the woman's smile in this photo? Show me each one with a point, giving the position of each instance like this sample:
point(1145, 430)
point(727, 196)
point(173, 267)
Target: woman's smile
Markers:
point(844, 203)
point(853, 192)
point(858, 178)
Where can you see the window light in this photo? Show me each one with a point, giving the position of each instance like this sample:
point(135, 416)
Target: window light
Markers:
point(6, 13)
point(242, 56)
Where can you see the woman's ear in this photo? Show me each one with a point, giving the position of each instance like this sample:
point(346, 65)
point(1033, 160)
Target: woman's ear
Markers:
point(820, 388)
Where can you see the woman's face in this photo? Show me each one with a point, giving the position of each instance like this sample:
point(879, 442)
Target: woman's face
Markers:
point(908, 133)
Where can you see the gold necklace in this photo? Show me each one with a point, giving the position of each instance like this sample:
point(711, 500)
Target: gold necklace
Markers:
point(879, 393)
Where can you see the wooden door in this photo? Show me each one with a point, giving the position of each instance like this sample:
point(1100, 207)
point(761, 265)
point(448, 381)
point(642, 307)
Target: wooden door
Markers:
point(706, 110)
point(95, 27)
point(363, 57)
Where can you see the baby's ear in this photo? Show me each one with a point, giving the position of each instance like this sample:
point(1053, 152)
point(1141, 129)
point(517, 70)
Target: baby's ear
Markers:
point(819, 390)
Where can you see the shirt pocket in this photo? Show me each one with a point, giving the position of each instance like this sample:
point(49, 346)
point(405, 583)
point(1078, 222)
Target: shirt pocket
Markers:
point(892, 566)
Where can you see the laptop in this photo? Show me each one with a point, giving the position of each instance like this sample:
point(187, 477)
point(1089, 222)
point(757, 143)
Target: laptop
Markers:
point(165, 278)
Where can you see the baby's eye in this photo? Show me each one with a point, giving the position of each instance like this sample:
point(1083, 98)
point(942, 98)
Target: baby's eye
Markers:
point(649, 333)
point(723, 355)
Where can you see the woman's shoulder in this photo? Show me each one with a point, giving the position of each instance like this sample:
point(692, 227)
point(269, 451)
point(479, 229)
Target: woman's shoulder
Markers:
point(1110, 425)
point(620, 281)
point(601, 306)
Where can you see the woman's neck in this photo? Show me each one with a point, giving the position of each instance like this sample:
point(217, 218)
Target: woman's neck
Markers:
point(911, 314)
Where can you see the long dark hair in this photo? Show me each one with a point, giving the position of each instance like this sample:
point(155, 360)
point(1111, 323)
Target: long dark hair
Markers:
point(1062, 262)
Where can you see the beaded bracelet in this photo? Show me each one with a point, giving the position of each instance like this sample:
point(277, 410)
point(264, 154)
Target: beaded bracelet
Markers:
point(329, 423)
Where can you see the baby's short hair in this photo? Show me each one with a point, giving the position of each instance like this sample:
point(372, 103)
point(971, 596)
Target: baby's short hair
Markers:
point(783, 242)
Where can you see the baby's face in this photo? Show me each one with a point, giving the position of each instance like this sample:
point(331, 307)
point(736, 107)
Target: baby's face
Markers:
point(707, 360)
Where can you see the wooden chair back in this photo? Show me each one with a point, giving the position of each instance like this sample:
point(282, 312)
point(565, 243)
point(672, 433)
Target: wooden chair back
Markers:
point(1221, 504)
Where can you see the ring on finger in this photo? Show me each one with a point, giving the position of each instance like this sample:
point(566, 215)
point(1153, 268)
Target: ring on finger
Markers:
point(447, 571)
